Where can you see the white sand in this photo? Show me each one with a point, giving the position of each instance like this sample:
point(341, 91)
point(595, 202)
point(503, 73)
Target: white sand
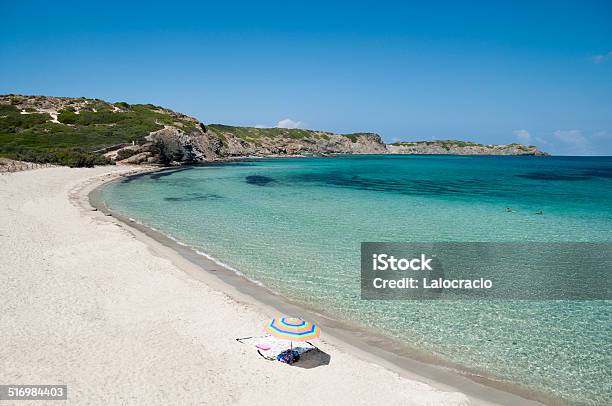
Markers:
point(86, 302)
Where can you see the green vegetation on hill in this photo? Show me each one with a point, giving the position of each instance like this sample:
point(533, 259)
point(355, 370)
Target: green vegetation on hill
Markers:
point(34, 138)
point(253, 134)
point(353, 137)
point(444, 143)
point(523, 147)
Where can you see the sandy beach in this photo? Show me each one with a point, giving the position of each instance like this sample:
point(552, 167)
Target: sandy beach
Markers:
point(120, 318)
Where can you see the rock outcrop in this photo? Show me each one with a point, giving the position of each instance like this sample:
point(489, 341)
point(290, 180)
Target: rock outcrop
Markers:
point(221, 142)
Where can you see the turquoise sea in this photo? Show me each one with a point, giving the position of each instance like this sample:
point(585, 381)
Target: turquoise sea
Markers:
point(296, 225)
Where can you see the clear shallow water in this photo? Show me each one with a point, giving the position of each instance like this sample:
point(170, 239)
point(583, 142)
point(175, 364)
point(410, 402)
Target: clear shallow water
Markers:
point(296, 226)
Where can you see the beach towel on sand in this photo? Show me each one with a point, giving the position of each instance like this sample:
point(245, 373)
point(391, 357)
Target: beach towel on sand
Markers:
point(270, 347)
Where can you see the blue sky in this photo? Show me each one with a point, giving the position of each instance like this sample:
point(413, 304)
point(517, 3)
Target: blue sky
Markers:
point(536, 72)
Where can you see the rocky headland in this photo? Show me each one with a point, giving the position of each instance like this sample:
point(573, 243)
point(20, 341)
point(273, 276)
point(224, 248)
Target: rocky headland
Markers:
point(86, 132)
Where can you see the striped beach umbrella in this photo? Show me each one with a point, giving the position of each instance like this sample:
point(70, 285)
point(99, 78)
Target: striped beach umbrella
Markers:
point(293, 329)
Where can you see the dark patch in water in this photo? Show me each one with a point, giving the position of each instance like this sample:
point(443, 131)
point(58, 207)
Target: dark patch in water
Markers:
point(419, 187)
point(552, 176)
point(166, 172)
point(155, 175)
point(192, 197)
point(259, 180)
point(599, 172)
point(244, 162)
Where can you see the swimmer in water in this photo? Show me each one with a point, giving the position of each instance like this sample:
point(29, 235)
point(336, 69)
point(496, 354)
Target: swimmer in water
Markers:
point(539, 212)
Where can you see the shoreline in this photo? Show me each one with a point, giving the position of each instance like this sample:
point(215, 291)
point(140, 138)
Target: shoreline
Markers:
point(387, 352)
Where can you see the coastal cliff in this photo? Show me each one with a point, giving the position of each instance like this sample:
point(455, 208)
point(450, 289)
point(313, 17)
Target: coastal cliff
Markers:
point(454, 147)
point(246, 141)
point(87, 132)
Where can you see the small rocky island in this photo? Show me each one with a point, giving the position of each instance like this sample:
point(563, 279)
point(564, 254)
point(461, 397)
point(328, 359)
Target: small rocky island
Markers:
point(87, 132)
